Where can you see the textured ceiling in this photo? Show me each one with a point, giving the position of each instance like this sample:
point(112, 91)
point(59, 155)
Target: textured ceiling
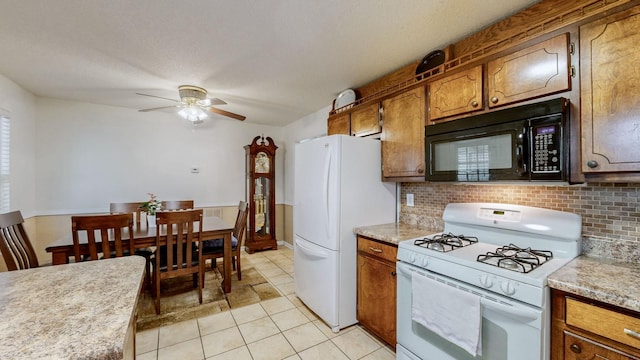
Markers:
point(274, 61)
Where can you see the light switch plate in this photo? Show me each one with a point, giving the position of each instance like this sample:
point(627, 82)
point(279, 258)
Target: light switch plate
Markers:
point(409, 199)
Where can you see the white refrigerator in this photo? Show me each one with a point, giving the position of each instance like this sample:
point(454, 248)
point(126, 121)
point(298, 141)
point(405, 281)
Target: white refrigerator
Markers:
point(337, 187)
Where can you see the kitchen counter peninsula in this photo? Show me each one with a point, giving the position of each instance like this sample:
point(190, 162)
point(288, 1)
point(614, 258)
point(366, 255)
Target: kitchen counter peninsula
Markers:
point(393, 233)
point(75, 311)
point(608, 281)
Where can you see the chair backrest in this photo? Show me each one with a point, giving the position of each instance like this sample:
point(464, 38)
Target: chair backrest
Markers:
point(102, 229)
point(15, 246)
point(128, 207)
point(183, 230)
point(241, 221)
point(177, 205)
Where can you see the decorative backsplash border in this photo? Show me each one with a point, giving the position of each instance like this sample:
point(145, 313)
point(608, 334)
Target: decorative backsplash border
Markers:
point(610, 212)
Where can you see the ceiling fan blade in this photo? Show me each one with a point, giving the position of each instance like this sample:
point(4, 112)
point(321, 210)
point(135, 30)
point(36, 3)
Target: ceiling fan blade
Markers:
point(159, 108)
point(159, 97)
point(216, 101)
point(226, 113)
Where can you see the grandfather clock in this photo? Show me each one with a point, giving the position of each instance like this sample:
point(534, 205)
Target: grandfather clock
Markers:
point(260, 168)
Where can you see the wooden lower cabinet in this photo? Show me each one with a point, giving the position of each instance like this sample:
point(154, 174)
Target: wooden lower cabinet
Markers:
point(578, 347)
point(584, 329)
point(376, 293)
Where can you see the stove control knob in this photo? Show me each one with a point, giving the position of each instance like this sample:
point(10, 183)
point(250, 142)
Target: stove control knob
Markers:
point(508, 287)
point(425, 261)
point(412, 258)
point(486, 281)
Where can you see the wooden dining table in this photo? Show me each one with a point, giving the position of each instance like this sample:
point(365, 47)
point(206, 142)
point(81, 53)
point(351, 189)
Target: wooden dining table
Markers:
point(213, 227)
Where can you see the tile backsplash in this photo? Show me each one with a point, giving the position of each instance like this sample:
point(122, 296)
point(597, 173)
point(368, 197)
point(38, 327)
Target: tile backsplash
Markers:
point(610, 212)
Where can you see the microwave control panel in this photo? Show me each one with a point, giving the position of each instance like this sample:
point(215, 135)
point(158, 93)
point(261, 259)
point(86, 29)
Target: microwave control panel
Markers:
point(545, 143)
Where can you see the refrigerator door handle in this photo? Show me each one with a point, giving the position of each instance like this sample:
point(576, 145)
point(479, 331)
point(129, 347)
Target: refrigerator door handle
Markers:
point(310, 252)
point(325, 190)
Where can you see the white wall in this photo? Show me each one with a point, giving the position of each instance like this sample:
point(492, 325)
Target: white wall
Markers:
point(310, 126)
point(89, 155)
point(19, 105)
point(73, 157)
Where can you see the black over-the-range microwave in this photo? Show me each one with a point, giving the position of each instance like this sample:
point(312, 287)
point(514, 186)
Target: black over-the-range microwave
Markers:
point(529, 142)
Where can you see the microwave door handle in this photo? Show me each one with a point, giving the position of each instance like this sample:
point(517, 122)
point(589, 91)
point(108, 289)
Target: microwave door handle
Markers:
point(521, 143)
point(520, 159)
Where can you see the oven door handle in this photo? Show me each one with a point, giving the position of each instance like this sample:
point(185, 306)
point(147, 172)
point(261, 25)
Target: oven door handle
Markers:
point(510, 311)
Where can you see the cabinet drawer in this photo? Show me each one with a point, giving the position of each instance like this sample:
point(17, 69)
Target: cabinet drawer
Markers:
point(578, 347)
point(603, 322)
point(384, 251)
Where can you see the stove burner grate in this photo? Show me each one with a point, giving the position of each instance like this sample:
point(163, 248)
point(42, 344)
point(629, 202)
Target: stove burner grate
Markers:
point(446, 242)
point(514, 258)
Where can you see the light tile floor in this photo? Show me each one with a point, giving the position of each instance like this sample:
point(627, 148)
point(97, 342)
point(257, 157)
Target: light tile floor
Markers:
point(281, 328)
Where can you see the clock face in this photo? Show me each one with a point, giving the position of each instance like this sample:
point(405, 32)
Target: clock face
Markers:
point(262, 163)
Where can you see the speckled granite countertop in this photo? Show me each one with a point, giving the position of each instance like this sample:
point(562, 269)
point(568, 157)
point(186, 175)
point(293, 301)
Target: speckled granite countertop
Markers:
point(609, 281)
point(74, 311)
point(393, 233)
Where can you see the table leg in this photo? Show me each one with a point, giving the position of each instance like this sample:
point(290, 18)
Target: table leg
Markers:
point(226, 282)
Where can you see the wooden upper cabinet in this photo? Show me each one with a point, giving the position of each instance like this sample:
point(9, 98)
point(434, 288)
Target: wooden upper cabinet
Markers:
point(610, 93)
point(456, 94)
point(339, 124)
point(403, 120)
point(366, 121)
point(535, 71)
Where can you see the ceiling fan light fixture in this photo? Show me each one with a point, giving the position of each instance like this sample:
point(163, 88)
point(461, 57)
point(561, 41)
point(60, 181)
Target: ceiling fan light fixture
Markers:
point(192, 93)
point(193, 113)
point(205, 102)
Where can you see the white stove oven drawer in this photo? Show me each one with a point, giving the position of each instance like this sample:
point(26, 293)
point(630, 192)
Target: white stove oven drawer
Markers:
point(510, 330)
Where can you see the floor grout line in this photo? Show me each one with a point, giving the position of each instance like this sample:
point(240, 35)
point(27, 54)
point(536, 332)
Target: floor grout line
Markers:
point(260, 260)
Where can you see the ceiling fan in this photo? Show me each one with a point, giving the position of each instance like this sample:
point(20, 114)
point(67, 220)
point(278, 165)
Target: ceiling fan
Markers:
point(194, 104)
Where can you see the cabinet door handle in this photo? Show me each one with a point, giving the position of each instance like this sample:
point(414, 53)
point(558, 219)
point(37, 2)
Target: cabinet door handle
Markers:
point(375, 250)
point(575, 348)
point(494, 100)
point(632, 333)
point(474, 104)
point(393, 273)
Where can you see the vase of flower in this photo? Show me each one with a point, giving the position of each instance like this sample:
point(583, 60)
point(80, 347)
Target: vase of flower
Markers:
point(150, 207)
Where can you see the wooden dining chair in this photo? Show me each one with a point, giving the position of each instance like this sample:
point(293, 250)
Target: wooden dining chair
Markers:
point(104, 235)
point(15, 246)
point(128, 208)
point(214, 249)
point(181, 255)
point(177, 205)
point(135, 208)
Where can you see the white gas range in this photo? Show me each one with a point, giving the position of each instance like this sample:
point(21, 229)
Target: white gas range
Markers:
point(498, 255)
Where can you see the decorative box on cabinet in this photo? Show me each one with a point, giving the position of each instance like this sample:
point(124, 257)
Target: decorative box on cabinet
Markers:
point(403, 121)
point(339, 124)
point(535, 71)
point(610, 93)
point(366, 120)
point(261, 195)
point(456, 94)
point(376, 282)
point(587, 329)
